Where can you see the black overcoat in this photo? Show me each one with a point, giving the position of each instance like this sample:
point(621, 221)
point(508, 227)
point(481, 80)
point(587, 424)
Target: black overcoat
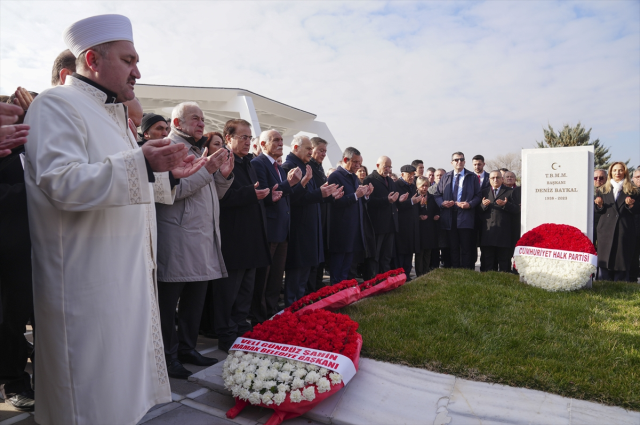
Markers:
point(616, 231)
point(429, 228)
point(347, 214)
point(408, 237)
point(383, 214)
point(305, 239)
point(243, 230)
point(320, 178)
point(517, 217)
point(497, 221)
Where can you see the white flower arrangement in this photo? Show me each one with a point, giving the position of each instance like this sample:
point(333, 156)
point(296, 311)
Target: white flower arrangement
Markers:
point(553, 274)
point(259, 378)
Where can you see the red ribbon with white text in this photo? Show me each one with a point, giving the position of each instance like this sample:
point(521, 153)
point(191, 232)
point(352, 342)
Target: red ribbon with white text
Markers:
point(556, 254)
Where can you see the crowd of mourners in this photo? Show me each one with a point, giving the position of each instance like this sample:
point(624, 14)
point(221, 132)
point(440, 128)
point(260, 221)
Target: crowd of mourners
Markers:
point(252, 230)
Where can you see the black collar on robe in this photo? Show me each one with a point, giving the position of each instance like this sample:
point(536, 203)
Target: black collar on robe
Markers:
point(111, 96)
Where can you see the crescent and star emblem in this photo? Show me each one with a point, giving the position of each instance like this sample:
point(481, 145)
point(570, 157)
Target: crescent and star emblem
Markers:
point(553, 166)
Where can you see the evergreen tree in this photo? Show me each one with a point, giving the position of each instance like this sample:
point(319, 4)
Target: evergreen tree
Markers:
point(577, 136)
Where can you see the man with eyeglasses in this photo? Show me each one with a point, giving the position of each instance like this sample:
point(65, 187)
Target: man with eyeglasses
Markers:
point(243, 228)
point(599, 178)
point(457, 195)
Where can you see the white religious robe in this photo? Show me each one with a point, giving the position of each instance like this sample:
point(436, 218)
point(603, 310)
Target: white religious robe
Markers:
point(99, 355)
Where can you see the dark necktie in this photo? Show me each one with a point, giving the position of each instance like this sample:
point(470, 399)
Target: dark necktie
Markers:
point(455, 194)
point(495, 193)
point(275, 166)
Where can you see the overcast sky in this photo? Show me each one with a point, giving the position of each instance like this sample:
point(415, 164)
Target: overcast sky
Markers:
point(406, 79)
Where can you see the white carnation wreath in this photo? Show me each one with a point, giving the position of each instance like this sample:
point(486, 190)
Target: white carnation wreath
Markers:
point(553, 274)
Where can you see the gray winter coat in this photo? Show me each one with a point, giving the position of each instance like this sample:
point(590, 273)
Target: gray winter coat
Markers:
point(188, 231)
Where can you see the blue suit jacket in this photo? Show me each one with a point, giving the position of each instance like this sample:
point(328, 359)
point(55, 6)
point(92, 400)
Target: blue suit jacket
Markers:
point(470, 193)
point(346, 214)
point(277, 212)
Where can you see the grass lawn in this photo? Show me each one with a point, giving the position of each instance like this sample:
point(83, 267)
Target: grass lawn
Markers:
point(490, 327)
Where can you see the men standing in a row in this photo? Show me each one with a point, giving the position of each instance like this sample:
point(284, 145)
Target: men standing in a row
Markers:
point(306, 249)
point(189, 252)
point(244, 239)
point(383, 212)
point(346, 226)
point(498, 211)
point(319, 177)
point(408, 238)
point(457, 195)
point(271, 176)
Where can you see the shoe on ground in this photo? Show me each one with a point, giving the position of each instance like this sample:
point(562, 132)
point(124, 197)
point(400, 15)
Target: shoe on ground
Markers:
point(23, 402)
point(176, 370)
point(195, 358)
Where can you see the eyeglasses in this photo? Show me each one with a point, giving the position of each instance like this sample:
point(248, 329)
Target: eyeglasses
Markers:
point(458, 160)
point(243, 138)
point(495, 178)
point(599, 178)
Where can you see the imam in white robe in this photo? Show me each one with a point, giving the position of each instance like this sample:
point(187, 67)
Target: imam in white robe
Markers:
point(99, 356)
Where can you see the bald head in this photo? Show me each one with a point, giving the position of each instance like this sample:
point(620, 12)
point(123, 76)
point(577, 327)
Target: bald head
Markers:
point(383, 166)
point(134, 109)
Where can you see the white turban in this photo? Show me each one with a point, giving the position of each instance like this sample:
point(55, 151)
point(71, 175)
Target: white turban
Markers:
point(96, 30)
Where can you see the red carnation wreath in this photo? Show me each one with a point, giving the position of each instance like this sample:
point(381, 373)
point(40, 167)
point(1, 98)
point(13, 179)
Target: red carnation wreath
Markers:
point(555, 257)
point(294, 379)
point(331, 298)
point(383, 283)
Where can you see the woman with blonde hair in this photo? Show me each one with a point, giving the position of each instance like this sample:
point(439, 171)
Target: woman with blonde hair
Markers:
point(616, 229)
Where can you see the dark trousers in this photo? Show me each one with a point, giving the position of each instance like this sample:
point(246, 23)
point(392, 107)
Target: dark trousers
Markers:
point(295, 284)
point(461, 244)
point(495, 258)
point(613, 275)
point(435, 259)
point(423, 262)
point(232, 302)
point(189, 297)
point(206, 321)
point(16, 293)
point(315, 281)
point(266, 292)
point(635, 265)
point(340, 265)
point(406, 262)
point(445, 257)
point(381, 263)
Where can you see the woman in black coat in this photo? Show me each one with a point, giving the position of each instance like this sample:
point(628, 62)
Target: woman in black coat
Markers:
point(615, 202)
point(428, 226)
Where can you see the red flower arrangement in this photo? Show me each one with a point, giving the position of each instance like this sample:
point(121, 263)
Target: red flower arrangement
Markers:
point(557, 236)
point(317, 329)
point(383, 282)
point(333, 297)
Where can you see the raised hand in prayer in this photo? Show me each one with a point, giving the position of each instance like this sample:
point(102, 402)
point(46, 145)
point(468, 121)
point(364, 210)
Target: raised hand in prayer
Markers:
point(416, 199)
point(23, 99)
point(260, 193)
point(436, 217)
point(404, 197)
point(276, 194)
point(294, 175)
point(393, 197)
point(307, 176)
point(11, 136)
point(369, 189)
point(215, 160)
point(485, 201)
point(339, 193)
point(501, 202)
point(361, 191)
point(165, 156)
point(424, 217)
point(189, 166)
point(599, 202)
point(327, 190)
point(629, 201)
point(227, 167)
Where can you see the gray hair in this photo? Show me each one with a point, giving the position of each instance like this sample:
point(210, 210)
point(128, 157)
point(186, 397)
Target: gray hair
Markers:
point(264, 136)
point(316, 141)
point(600, 170)
point(442, 169)
point(349, 152)
point(178, 111)
point(497, 171)
point(297, 140)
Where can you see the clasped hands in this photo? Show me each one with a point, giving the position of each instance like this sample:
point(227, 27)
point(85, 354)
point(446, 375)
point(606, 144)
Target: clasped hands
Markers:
point(462, 205)
point(499, 202)
point(628, 200)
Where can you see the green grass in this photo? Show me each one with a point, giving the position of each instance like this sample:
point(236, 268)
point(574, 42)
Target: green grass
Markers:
point(490, 327)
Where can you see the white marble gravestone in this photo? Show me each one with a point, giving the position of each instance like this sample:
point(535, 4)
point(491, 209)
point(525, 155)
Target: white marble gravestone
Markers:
point(557, 187)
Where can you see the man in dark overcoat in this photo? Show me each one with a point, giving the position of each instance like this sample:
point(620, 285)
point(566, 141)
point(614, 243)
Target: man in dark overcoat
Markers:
point(457, 195)
point(408, 237)
point(244, 239)
point(306, 248)
point(316, 275)
point(496, 225)
point(346, 225)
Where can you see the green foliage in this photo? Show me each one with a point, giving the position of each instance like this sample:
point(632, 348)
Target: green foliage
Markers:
point(577, 136)
point(491, 327)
